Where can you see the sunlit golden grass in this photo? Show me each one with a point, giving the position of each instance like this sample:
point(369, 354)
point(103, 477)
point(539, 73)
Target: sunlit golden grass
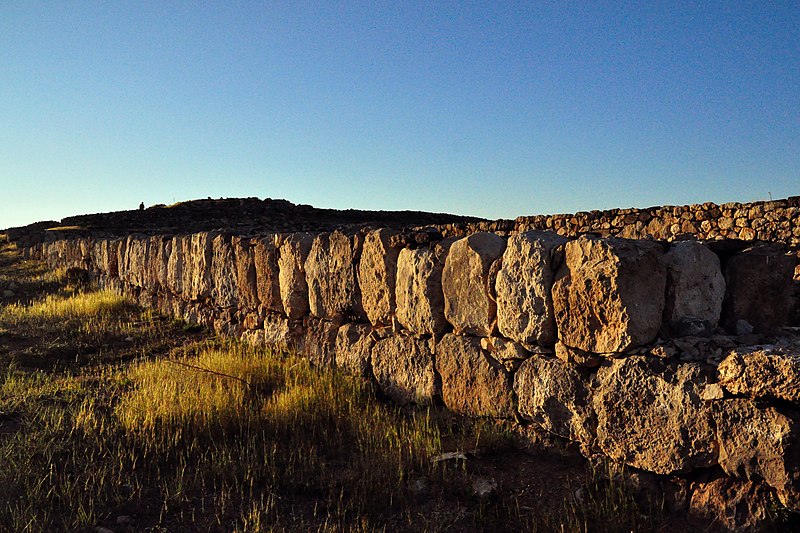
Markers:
point(60, 307)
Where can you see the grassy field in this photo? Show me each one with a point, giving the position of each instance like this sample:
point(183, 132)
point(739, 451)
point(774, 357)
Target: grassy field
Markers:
point(112, 416)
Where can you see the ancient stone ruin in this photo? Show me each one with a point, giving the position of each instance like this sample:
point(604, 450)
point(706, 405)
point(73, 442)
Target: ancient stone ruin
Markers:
point(663, 338)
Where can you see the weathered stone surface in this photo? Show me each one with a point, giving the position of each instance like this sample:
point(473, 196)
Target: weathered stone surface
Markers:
point(135, 261)
point(158, 251)
point(377, 271)
point(758, 442)
point(246, 273)
point(510, 353)
point(197, 266)
point(651, 415)
point(732, 504)
point(524, 284)
point(318, 341)
point(574, 356)
point(354, 344)
point(223, 272)
point(472, 382)
point(265, 259)
point(554, 395)
point(292, 274)
point(333, 291)
point(695, 285)
point(419, 296)
point(469, 301)
point(175, 265)
point(609, 295)
point(759, 281)
point(281, 334)
point(762, 373)
point(403, 367)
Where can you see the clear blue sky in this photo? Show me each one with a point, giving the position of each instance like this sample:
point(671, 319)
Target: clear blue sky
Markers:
point(495, 109)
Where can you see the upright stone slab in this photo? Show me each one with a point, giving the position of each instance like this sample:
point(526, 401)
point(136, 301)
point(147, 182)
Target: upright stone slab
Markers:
point(158, 253)
point(197, 266)
point(292, 274)
point(245, 273)
point(609, 294)
point(265, 256)
point(354, 343)
point(695, 285)
point(223, 273)
point(555, 396)
point(403, 367)
point(318, 342)
point(418, 292)
point(377, 274)
point(469, 302)
point(333, 292)
point(524, 284)
point(759, 288)
point(180, 245)
point(473, 383)
point(652, 415)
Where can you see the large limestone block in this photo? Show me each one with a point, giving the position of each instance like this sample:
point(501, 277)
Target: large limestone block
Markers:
point(223, 273)
point(469, 302)
point(333, 292)
point(609, 294)
point(354, 344)
point(292, 274)
point(318, 342)
point(554, 395)
point(732, 505)
point(472, 382)
point(419, 296)
point(136, 261)
point(652, 415)
point(245, 273)
point(158, 253)
point(757, 442)
point(281, 334)
point(197, 266)
point(762, 373)
point(403, 367)
point(377, 274)
point(180, 245)
point(759, 288)
point(524, 284)
point(695, 285)
point(265, 257)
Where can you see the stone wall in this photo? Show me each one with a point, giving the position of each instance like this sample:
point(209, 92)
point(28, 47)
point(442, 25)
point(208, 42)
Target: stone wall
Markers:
point(676, 358)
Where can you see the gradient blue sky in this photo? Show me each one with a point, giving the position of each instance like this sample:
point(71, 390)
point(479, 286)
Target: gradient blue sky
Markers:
point(495, 109)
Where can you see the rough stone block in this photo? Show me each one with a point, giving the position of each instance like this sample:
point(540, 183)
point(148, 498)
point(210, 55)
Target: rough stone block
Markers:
point(759, 288)
point(197, 266)
point(377, 271)
point(281, 334)
point(354, 344)
point(318, 343)
point(175, 264)
point(695, 285)
point(292, 274)
point(223, 273)
point(609, 294)
point(403, 367)
point(554, 395)
point(762, 373)
point(333, 292)
point(265, 257)
point(758, 442)
point(524, 284)
point(419, 296)
point(245, 273)
point(469, 302)
point(472, 382)
point(652, 415)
